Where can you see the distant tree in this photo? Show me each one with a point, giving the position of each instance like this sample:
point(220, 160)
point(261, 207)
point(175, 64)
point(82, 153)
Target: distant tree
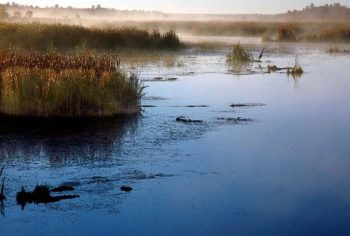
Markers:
point(312, 5)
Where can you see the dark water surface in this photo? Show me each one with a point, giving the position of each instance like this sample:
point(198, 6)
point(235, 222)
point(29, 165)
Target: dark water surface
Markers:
point(284, 171)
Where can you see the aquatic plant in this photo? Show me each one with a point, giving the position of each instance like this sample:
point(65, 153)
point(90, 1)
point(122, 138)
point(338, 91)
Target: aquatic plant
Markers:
point(238, 54)
point(288, 33)
point(68, 37)
point(335, 33)
point(56, 85)
point(296, 71)
point(239, 59)
point(40, 194)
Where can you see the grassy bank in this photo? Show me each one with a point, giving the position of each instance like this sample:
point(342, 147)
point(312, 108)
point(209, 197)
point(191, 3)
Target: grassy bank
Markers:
point(55, 85)
point(68, 37)
point(277, 31)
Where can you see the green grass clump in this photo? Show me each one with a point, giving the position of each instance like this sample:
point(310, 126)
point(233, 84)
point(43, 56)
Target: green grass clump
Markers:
point(66, 87)
point(296, 70)
point(238, 54)
point(68, 37)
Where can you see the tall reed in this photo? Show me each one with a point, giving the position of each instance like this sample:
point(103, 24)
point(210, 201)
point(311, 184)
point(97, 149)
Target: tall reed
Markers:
point(68, 37)
point(55, 85)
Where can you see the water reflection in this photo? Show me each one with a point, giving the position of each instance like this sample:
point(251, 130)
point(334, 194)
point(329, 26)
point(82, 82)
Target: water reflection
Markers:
point(240, 67)
point(64, 142)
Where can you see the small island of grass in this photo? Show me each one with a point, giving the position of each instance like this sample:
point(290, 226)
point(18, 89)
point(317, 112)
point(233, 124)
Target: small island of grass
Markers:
point(37, 84)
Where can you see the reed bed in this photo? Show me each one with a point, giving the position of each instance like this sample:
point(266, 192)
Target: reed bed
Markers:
point(67, 37)
point(278, 30)
point(238, 54)
point(56, 85)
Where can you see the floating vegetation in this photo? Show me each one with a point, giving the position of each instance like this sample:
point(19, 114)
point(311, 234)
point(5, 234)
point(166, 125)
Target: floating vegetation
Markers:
point(197, 106)
point(148, 106)
point(40, 194)
point(164, 79)
point(247, 104)
point(126, 188)
point(57, 85)
point(296, 71)
point(186, 120)
point(237, 120)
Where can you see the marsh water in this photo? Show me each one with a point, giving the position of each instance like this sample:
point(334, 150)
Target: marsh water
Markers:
point(281, 168)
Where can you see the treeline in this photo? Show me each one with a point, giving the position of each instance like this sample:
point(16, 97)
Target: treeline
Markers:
point(326, 12)
point(311, 12)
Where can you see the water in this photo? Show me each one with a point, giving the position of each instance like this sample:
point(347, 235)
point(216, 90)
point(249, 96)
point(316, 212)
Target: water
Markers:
point(283, 172)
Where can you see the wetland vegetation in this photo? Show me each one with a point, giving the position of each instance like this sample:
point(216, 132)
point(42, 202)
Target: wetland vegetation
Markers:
point(38, 84)
point(72, 37)
point(236, 122)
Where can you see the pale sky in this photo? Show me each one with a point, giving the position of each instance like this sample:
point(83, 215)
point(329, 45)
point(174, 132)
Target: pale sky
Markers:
point(191, 6)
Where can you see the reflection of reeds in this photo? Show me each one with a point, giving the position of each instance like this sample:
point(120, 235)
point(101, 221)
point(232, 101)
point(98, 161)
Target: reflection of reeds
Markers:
point(2, 196)
point(75, 141)
point(44, 36)
point(55, 85)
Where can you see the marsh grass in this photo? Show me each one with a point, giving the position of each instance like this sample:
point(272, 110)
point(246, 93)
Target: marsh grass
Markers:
point(331, 34)
point(67, 37)
point(295, 71)
point(239, 59)
point(56, 85)
point(238, 54)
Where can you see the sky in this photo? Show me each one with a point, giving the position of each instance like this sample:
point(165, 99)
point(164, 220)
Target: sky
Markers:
point(191, 6)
